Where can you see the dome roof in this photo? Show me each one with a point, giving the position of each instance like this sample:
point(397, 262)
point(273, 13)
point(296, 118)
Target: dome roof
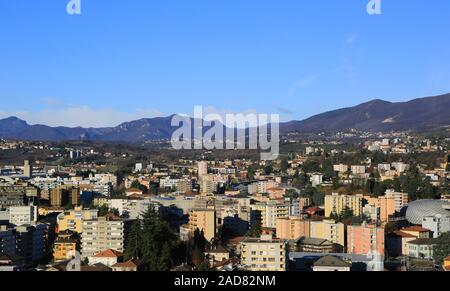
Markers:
point(418, 209)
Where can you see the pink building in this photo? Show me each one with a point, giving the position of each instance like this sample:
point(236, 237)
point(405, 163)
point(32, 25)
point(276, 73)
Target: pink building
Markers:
point(365, 239)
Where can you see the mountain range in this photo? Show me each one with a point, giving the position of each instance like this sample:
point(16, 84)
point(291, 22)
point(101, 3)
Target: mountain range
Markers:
point(377, 115)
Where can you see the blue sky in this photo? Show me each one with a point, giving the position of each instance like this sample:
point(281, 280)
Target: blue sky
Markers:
point(122, 60)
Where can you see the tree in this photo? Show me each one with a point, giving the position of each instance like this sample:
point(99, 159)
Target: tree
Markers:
point(103, 210)
point(328, 169)
point(346, 214)
point(441, 248)
point(311, 167)
point(284, 165)
point(133, 250)
point(139, 186)
point(250, 173)
point(268, 169)
point(153, 241)
point(256, 227)
point(318, 198)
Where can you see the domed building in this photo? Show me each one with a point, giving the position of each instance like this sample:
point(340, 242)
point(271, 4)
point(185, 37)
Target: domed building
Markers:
point(417, 210)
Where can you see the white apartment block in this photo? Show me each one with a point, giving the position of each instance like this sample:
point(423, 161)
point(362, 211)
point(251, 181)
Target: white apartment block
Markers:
point(102, 234)
point(264, 254)
point(401, 199)
point(437, 224)
point(22, 215)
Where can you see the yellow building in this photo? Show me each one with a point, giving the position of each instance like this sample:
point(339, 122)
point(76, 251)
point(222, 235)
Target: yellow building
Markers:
point(447, 264)
point(44, 211)
point(204, 220)
point(329, 230)
point(292, 228)
point(384, 205)
point(336, 203)
point(65, 246)
point(264, 254)
point(73, 219)
point(270, 212)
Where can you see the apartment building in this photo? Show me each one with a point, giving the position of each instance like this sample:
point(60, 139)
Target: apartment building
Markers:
point(103, 233)
point(270, 212)
point(73, 219)
point(7, 241)
point(204, 220)
point(63, 195)
point(264, 254)
point(379, 208)
point(65, 246)
point(292, 228)
point(400, 199)
point(31, 241)
point(437, 224)
point(336, 203)
point(329, 230)
point(365, 239)
point(21, 215)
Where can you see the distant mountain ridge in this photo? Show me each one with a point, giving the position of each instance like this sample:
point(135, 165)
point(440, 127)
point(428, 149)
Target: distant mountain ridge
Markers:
point(377, 115)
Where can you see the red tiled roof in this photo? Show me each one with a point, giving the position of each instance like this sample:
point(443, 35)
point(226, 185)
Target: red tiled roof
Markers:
point(109, 254)
point(134, 190)
point(415, 228)
point(129, 264)
point(403, 234)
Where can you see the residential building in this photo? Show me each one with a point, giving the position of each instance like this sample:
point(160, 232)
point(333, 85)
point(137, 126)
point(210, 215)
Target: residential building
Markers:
point(421, 248)
point(341, 168)
point(313, 245)
point(292, 227)
point(27, 169)
point(204, 220)
point(400, 199)
point(365, 239)
point(329, 230)
point(21, 215)
point(31, 242)
point(417, 231)
point(73, 219)
point(64, 195)
point(65, 245)
point(129, 266)
point(7, 241)
point(336, 203)
point(331, 264)
point(107, 257)
point(437, 224)
point(271, 211)
point(264, 254)
point(202, 168)
point(379, 209)
point(103, 233)
point(397, 243)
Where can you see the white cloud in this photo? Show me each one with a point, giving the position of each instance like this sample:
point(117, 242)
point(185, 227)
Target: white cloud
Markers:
point(84, 116)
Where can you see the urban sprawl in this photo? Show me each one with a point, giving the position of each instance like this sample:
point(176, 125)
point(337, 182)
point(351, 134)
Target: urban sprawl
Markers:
point(348, 201)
